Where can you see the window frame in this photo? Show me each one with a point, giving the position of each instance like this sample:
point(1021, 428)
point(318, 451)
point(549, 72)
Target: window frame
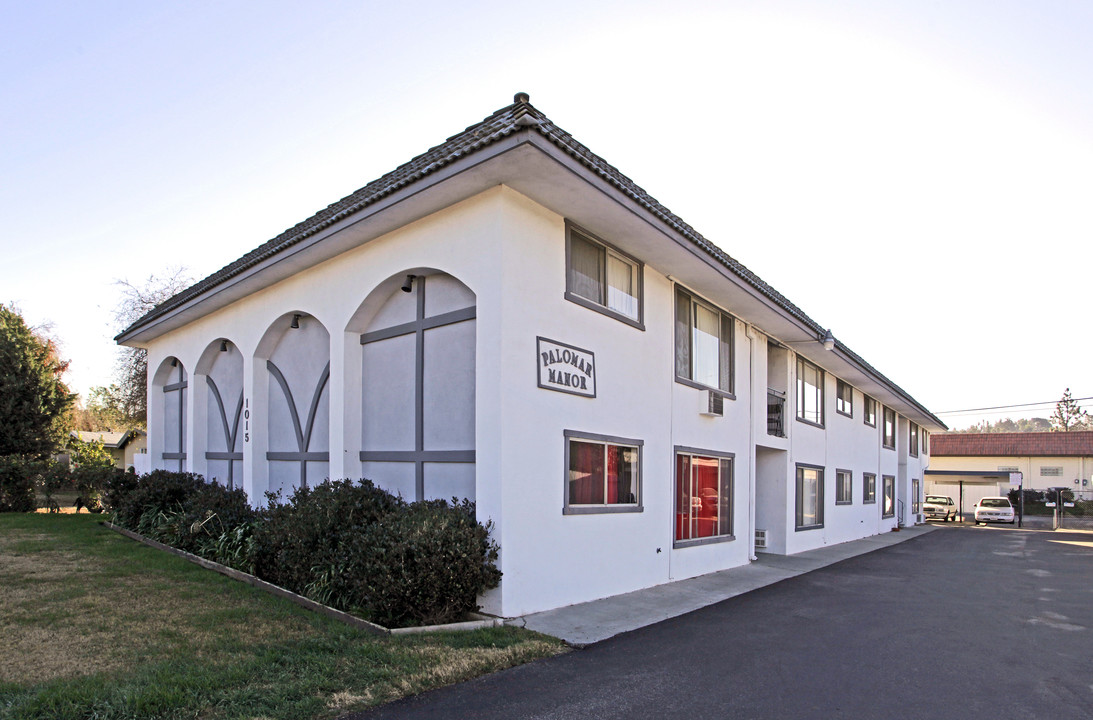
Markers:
point(607, 441)
point(912, 438)
point(729, 487)
point(608, 250)
point(799, 385)
point(798, 513)
point(869, 404)
point(847, 498)
point(841, 384)
point(916, 496)
point(884, 429)
point(869, 489)
point(726, 348)
point(886, 482)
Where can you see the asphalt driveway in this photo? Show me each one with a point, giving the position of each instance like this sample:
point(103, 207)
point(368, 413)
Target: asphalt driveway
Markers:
point(969, 622)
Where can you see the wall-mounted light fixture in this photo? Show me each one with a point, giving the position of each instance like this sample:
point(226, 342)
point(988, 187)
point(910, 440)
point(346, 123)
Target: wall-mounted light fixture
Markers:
point(295, 324)
point(409, 284)
point(223, 346)
point(174, 362)
point(829, 340)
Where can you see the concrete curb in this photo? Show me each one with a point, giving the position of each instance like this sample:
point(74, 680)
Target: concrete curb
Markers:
point(300, 600)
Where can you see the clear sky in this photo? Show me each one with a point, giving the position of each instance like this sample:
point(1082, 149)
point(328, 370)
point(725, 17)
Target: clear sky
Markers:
point(916, 175)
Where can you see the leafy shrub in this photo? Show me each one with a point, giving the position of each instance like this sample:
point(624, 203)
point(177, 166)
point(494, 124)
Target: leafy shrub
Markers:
point(307, 531)
point(181, 510)
point(426, 565)
point(158, 491)
point(356, 547)
point(17, 484)
point(349, 545)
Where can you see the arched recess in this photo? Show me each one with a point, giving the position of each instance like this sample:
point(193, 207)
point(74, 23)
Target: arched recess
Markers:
point(418, 386)
point(297, 352)
point(171, 380)
point(221, 367)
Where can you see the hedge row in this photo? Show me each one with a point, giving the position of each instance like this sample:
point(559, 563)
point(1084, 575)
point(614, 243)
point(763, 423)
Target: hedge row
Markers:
point(24, 480)
point(349, 545)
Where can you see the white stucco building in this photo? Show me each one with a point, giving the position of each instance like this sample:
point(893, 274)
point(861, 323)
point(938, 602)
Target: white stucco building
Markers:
point(508, 318)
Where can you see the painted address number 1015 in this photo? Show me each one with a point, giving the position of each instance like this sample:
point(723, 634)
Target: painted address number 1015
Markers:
point(246, 420)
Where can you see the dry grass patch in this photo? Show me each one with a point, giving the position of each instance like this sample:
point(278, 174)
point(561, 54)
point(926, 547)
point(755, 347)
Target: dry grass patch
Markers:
point(93, 624)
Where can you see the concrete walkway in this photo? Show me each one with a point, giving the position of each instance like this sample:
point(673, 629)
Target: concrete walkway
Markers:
point(590, 622)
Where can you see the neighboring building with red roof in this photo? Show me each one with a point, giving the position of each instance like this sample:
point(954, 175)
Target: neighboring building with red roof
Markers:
point(986, 460)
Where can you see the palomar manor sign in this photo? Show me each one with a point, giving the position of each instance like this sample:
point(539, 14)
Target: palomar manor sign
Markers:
point(566, 368)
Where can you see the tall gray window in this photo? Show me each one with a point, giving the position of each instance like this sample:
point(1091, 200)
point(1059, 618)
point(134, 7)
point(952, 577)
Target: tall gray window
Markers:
point(810, 392)
point(704, 344)
point(810, 497)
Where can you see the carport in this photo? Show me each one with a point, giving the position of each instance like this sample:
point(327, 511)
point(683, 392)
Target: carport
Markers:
point(971, 477)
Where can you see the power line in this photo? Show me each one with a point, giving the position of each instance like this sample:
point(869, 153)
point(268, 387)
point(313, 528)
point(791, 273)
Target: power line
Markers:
point(1007, 407)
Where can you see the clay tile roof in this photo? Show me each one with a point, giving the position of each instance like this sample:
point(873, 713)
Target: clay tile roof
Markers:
point(519, 116)
point(1046, 444)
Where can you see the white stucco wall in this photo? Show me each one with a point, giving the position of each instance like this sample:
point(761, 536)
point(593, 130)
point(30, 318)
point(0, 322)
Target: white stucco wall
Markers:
point(510, 253)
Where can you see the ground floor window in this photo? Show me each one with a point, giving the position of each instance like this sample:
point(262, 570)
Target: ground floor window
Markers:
point(869, 488)
point(603, 474)
point(810, 497)
point(888, 507)
point(916, 501)
point(844, 487)
point(703, 496)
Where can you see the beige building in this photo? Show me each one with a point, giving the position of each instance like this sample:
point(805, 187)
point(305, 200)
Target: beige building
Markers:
point(993, 463)
point(128, 448)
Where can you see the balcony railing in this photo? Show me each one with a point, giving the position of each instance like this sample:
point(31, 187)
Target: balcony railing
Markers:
point(776, 413)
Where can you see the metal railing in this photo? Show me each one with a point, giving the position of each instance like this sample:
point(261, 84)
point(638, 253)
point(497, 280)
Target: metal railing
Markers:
point(776, 413)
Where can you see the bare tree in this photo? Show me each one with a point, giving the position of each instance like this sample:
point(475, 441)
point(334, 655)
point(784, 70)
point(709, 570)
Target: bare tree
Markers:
point(1069, 415)
point(130, 390)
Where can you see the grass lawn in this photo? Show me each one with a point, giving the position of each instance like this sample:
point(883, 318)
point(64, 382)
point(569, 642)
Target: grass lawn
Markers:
point(94, 625)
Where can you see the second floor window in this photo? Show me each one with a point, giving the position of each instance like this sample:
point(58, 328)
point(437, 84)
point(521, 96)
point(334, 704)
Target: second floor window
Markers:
point(602, 278)
point(704, 342)
point(810, 392)
point(912, 437)
point(890, 428)
point(870, 411)
point(844, 399)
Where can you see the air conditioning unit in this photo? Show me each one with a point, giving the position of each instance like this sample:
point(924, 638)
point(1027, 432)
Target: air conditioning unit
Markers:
point(760, 539)
point(715, 404)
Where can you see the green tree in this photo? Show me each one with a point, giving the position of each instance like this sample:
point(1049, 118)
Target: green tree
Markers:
point(1069, 415)
point(129, 395)
point(34, 400)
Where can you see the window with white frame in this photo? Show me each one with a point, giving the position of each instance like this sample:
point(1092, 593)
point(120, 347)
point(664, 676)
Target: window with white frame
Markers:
point(703, 497)
point(912, 437)
point(603, 474)
point(844, 487)
point(809, 512)
point(704, 344)
point(888, 500)
point(810, 392)
point(844, 399)
point(603, 278)
point(869, 488)
point(890, 428)
point(869, 412)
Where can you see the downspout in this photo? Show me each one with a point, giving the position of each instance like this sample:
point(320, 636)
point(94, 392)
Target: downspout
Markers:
point(752, 455)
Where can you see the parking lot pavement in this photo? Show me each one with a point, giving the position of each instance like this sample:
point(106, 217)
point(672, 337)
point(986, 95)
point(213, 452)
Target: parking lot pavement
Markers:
point(975, 622)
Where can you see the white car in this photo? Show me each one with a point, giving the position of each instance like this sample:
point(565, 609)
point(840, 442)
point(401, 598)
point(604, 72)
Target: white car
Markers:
point(994, 509)
point(939, 507)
